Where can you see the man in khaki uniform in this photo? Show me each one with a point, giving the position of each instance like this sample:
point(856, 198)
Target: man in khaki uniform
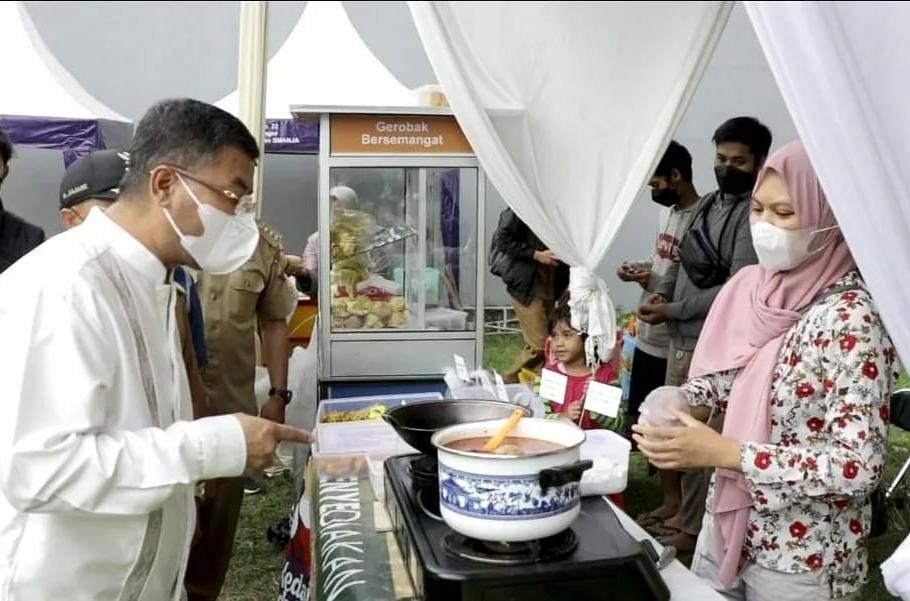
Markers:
point(233, 305)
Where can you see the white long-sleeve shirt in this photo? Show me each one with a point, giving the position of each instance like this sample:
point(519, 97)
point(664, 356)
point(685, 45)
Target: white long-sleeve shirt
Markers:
point(97, 456)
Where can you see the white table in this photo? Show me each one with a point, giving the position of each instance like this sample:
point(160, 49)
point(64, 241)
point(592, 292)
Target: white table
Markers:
point(683, 584)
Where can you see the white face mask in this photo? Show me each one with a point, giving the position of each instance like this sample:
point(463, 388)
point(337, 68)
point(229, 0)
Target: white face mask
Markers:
point(227, 241)
point(782, 250)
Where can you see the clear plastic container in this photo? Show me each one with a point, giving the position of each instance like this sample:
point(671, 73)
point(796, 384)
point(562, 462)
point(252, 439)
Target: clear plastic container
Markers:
point(340, 465)
point(610, 453)
point(373, 437)
point(447, 320)
point(364, 402)
point(377, 476)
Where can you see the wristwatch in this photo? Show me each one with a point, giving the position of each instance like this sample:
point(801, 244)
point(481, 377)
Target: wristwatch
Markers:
point(285, 395)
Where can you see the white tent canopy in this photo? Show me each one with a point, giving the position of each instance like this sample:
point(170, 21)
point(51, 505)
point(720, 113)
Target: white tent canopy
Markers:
point(324, 62)
point(34, 82)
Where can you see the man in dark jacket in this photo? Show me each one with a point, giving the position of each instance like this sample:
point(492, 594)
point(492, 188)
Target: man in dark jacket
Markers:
point(17, 236)
point(534, 278)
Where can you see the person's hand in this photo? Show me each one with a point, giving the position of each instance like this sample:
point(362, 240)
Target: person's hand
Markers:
point(691, 445)
point(262, 437)
point(273, 410)
point(625, 272)
point(654, 311)
point(294, 265)
point(574, 411)
point(546, 257)
point(641, 277)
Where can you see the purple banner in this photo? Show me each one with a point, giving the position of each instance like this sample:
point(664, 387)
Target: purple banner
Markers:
point(75, 137)
point(287, 136)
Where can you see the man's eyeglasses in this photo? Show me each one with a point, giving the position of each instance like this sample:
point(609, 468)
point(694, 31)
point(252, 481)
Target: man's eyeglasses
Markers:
point(242, 204)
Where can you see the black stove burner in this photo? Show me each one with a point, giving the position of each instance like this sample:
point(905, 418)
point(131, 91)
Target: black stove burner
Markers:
point(598, 561)
point(428, 501)
point(425, 468)
point(511, 554)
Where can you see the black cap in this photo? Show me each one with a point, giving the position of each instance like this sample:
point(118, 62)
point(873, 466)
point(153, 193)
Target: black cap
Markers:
point(96, 175)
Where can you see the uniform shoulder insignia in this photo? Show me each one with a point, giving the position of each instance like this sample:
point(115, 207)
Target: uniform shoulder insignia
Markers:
point(271, 237)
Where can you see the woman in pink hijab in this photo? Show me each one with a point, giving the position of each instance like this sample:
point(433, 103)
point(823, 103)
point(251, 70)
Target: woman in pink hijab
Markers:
point(795, 355)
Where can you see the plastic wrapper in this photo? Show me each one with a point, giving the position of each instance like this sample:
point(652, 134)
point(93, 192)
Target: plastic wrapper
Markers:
point(657, 409)
point(398, 304)
point(352, 322)
point(399, 320)
point(373, 322)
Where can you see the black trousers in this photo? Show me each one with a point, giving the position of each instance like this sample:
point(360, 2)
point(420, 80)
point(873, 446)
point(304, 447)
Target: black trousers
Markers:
point(648, 372)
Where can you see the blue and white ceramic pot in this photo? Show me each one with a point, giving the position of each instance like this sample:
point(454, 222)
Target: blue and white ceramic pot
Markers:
point(510, 498)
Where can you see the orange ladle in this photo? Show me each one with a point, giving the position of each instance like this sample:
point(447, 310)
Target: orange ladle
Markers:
point(500, 436)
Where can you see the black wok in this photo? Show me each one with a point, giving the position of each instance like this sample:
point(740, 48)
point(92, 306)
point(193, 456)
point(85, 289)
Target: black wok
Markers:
point(416, 423)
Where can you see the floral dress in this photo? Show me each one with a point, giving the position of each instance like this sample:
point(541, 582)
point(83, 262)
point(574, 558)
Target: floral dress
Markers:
point(810, 485)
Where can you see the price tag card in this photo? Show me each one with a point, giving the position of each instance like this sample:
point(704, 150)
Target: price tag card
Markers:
point(603, 399)
point(501, 388)
point(461, 368)
point(486, 382)
point(553, 386)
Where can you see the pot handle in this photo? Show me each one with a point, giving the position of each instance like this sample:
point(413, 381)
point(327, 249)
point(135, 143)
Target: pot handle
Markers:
point(563, 474)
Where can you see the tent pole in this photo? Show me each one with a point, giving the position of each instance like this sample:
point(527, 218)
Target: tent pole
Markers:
point(251, 78)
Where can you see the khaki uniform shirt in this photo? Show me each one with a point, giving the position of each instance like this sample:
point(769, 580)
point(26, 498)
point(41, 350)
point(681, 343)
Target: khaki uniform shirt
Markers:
point(232, 305)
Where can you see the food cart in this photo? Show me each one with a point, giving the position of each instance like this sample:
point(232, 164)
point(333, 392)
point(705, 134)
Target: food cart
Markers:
point(400, 284)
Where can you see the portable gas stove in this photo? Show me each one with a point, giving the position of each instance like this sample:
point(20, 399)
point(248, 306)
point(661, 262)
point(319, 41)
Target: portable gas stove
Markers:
point(594, 560)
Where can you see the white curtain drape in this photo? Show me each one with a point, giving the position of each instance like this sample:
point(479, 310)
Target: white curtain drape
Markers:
point(568, 106)
point(841, 67)
point(251, 78)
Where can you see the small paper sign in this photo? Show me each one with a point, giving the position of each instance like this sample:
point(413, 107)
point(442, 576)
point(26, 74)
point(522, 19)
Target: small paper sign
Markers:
point(486, 382)
point(461, 368)
point(501, 388)
point(553, 386)
point(603, 399)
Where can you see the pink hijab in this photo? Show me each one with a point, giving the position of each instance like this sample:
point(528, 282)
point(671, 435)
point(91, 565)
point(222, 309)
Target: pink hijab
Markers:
point(745, 330)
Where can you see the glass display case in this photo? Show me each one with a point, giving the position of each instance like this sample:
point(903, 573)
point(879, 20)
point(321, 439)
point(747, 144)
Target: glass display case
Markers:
point(401, 271)
point(400, 259)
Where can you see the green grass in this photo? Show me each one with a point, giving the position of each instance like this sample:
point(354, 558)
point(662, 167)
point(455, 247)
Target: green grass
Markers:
point(499, 350)
point(256, 564)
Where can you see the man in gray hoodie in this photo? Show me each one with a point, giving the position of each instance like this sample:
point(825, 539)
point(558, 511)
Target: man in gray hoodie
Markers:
point(671, 188)
point(717, 244)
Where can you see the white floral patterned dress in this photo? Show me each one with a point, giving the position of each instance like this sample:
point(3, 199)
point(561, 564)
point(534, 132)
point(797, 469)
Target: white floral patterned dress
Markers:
point(810, 485)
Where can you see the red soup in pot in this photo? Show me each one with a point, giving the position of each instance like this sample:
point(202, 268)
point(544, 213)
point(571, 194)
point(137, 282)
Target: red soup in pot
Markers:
point(512, 445)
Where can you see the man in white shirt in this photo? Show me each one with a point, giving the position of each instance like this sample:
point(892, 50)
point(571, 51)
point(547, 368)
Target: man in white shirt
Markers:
point(98, 456)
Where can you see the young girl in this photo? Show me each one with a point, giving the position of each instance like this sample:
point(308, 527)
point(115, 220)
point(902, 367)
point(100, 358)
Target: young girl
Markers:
point(565, 354)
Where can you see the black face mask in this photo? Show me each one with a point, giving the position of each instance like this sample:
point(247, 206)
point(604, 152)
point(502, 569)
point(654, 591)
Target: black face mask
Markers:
point(665, 197)
point(734, 181)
